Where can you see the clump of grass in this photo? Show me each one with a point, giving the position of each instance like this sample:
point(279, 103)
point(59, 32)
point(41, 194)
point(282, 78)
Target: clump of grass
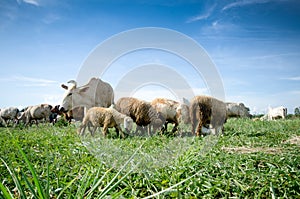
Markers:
point(55, 163)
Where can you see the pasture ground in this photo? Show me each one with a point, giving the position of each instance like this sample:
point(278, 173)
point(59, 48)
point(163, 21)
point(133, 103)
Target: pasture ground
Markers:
point(254, 159)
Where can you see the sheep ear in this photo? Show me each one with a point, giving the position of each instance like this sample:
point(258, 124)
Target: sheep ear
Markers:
point(64, 86)
point(186, 101)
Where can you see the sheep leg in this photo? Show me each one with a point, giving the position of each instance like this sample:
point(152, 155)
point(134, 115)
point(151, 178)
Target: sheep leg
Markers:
point(149, 130)
point(89, 127)
point(104, 130)
point(4, 122)
point(81, 129)
point(164, 128)
point(94, 130)
point(175, 127)
point(118, 129)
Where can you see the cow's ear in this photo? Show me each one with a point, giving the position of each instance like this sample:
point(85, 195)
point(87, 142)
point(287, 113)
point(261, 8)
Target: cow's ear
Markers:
point(64, 87)
point(84, 89)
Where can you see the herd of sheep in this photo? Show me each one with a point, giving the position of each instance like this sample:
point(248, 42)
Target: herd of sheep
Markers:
point(93, 105)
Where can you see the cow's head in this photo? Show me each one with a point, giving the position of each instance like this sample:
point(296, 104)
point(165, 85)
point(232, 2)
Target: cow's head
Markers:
point(73, 97)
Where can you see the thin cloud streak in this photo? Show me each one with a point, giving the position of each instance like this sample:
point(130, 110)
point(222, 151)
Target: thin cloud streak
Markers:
point(203, 16)
point(297, 78)
point(246, 3)
point(29, 81)
point(32, 2)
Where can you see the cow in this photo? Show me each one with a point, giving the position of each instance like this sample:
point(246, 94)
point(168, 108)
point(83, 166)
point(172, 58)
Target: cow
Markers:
point(275, 113)
point(237, 110)
point(95, 93)
point(9, 114)
point(173, 112)
point(35, 113)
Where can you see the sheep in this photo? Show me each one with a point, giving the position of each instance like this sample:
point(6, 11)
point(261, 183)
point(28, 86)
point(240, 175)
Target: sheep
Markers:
point(7, 114)
point(172, 111)
point(141, 112)
point(37, 112)
point(207, 111)
point(76, 113)
point(106, 118)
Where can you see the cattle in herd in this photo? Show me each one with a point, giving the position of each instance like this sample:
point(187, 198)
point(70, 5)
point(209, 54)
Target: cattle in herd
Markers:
point(35, 113)
point(237, 110)
point(96, 93)
point(174, 112)
point(207, 112)
point(9, 114)
point(275, 113)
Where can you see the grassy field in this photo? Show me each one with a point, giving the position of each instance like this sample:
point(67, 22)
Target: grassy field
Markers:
point(254, 159)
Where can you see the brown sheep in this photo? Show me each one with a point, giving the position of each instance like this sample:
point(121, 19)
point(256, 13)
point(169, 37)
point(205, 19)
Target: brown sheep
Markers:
point(174, 112)
point(75, 113)
point(106, 118)
point(141, 112)
point(207, 111)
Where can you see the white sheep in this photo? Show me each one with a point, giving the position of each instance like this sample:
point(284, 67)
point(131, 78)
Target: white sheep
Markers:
point(106, 118)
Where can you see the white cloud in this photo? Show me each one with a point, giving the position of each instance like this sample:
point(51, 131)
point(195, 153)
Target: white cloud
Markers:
point(296, 78)
point(29, 81)
point(32, 2)
point(202, 16)
point(51, 18)
point(246, 3)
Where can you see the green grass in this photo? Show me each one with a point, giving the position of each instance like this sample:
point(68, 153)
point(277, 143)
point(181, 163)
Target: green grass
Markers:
point(53, 162)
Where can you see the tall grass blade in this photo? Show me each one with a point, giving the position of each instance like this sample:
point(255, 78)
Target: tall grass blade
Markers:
point(85, 182)
point(29, 185)
point(16, 180)
point(90, 192)
point(272, 191)
point(48, 178)
point(5, 192)
point(171, 187)
point(33, 173)
point(66, 187)
point(108, 187)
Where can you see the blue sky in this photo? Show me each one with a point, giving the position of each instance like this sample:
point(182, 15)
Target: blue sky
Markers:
point(255, 45)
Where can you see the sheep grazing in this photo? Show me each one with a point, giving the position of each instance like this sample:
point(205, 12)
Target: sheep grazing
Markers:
point(207, 111)
point(174, 112)
point(142, 113)
point(237, 110)
point(76, 113)
point(9, 114)
point(106, 118)
point(37, 112)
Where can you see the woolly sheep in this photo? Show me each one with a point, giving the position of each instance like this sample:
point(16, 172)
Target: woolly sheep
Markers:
point(106, 118)
point(207, 111)
point(174, 112)
point(141, 112)
point(37, 112)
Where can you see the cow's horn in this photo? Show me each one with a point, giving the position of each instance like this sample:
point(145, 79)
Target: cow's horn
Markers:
point(72, 82)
